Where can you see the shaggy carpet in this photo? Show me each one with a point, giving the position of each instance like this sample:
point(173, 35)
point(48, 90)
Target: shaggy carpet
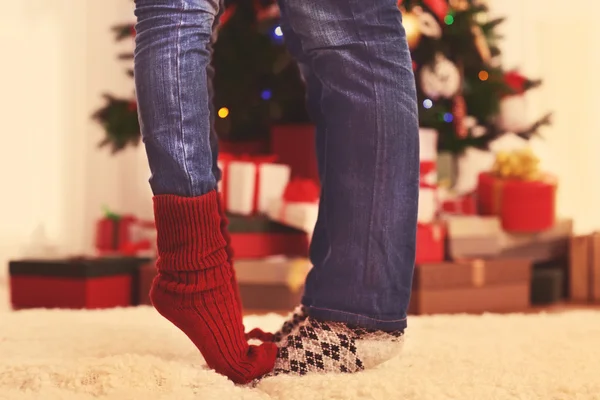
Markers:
point(135, 354)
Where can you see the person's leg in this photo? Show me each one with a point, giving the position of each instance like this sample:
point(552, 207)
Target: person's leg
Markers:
point(362, 97)
point(194, 288)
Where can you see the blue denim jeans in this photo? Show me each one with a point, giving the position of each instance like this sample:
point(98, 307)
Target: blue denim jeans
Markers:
point(356, 63)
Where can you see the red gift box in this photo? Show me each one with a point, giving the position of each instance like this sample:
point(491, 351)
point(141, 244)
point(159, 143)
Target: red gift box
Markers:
point(260, 244)
point(522, 205)
point(294, 145)
point(74, 283)
point(113, 233)
point(430, 243)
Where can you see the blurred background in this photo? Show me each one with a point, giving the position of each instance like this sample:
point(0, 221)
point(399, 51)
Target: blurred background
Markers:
point(521, 93)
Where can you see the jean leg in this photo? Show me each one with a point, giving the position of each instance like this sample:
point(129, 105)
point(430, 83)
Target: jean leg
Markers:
point(171, 59)
point(210, 73)
point(364, 246)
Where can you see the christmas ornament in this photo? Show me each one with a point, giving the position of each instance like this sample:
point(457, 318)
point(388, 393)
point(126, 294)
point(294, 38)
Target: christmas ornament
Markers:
point(269, 12)
point(515, 81)
point(459, 5)
point(459, 110)
point(428, 24)
point(513, 107)
point(481, 43)
point(438, 7)
point(478, 131)
point(442, 79)
point(412, 27)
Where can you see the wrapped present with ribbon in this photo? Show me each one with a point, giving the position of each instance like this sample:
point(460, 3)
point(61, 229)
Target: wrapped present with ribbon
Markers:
point(471, 286)
point(113, 232)
point(250, 182)
point(431, 239)
point(518, 192)
point(298, 207)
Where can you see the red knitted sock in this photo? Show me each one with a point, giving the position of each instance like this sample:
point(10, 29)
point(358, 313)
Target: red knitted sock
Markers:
point(228, 248)
point(194, 288)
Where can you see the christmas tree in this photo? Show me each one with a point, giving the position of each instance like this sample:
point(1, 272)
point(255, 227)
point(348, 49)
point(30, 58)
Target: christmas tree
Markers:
point(256, 82)
point(463, 91)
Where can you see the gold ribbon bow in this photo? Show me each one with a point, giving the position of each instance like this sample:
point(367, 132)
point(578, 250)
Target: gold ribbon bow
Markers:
point(518, 164)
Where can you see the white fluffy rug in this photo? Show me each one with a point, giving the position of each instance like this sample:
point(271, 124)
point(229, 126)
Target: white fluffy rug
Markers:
point(135, 354)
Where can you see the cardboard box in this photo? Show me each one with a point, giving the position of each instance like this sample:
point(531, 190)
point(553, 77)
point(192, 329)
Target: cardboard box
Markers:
point(584, 269)
point(546, 285)
point(275, 283)
point(471, 287)
point(541, 246)
point(473, 236)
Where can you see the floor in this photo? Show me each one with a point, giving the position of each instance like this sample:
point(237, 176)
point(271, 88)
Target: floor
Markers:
point(135, 354)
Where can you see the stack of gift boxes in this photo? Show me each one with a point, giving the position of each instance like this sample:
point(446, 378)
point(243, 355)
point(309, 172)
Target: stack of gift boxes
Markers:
point(271, 206)
point(497, 249)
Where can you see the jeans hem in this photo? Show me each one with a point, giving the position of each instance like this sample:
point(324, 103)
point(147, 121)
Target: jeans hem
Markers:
point(362, 321)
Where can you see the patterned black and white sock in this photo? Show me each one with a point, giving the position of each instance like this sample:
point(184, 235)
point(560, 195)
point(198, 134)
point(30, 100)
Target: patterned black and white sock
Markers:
point(298, 315)
point(319, 346)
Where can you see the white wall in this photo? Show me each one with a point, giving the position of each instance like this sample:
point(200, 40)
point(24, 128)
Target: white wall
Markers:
point(59, 56)
point(559, 44)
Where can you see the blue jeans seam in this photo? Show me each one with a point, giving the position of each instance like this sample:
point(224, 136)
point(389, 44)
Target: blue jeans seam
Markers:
point(357, 315)
point(181, 125)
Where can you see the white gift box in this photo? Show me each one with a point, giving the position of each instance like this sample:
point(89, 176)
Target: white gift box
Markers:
point(249, 186)
point(428, 204)
point(299, 215)
point(428, 140)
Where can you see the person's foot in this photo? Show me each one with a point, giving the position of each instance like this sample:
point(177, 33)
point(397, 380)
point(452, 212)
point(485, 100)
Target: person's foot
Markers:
point(298, 315)
point(318, 346)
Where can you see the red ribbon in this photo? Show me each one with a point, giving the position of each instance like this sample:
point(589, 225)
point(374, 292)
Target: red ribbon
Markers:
point(257, 160)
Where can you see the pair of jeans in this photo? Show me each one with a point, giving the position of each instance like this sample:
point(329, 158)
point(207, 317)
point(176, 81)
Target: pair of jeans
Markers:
point(354, 57)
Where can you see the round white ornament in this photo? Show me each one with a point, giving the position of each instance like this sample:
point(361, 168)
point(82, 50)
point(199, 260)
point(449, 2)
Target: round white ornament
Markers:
point(442, 79)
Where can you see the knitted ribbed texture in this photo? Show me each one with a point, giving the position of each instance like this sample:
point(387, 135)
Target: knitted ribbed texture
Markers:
point(195, 286)
point(228, 248)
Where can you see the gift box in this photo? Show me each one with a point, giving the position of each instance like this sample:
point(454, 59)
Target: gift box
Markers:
point(272, 284)
point(475, 286)
point(260, 244)
point(542, 246)
point(473, 236)
point(258, 224)
point(113, 232)
point(547, 286)
point(295, 146)
point(298, 207)
point(146, 274)
point(584, 269)
point(523, 197)
point(430, 243)
point(428, 143)
point(75, 283)
point(250, 183)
